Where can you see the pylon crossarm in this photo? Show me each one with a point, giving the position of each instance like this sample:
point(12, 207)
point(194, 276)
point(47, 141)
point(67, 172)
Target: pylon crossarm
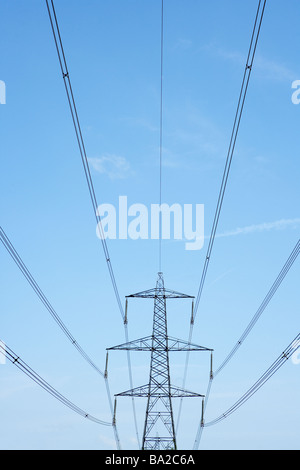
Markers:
point(142, 344)
point(163, 293)
point(142, 391)
point(160, 391)
point(146, 344)
point(175, 344)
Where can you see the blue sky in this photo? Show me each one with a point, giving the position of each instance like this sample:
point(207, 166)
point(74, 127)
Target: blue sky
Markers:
point(113, 54)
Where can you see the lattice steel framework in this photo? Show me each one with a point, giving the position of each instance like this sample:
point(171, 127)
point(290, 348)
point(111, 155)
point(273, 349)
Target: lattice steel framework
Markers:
point(159, 430)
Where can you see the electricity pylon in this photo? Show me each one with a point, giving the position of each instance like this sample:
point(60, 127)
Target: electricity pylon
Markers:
point(159, 430)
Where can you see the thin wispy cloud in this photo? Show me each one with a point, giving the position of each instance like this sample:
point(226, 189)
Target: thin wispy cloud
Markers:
point(114, 166)
point(282, 224)
point(266, 68)
point(273, 70)
point(183, 44)
point(264, 227)
point(141, 122)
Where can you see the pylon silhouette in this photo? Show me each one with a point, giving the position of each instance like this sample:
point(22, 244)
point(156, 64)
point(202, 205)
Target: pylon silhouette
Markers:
point(159, 429)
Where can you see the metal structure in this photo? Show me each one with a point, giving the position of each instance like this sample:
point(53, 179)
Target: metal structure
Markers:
point(159, 430)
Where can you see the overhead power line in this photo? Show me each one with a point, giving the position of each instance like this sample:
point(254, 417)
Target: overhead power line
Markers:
point(18, 362)
point(82, 150)
point(17, 259)
point(287, 266)
point(80, 141)
point(251, 324)
point(284, 356)
point(161, 132)
point(234, 134)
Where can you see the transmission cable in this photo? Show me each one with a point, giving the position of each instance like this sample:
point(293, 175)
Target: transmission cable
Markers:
point(251, 324)
point(236, 125)
point(277, 364)
point(80, 141)
point(287, 266)
point(17, 259)
point(234, 134)
point(18, 362)
point(15, 256)
point(75, 119)
point(161, 131)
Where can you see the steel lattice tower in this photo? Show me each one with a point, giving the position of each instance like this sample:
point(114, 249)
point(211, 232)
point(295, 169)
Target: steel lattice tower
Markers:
point(159, 430)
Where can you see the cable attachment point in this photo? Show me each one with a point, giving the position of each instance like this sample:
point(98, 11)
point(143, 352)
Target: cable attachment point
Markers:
point(114, 417)
point(202, 414)
point(211, 375)
point(192, 314)
point(126, 307)
point(106, 364)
